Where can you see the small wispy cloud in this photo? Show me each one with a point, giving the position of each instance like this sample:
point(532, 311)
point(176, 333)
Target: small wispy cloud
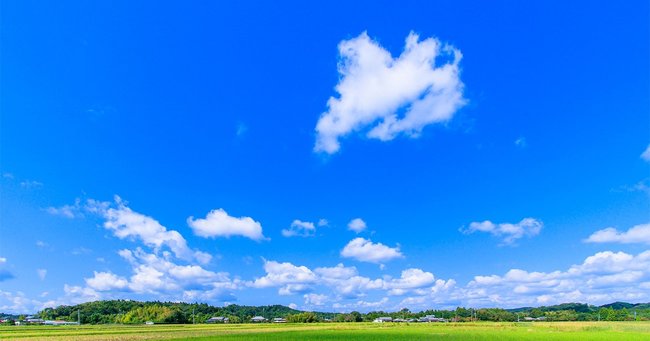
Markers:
point(300, 228)
point(521, 142)
point(31, 184)
point(510, 233)
point(67, 211)
point(646, 154)
point(81, 251)
point(242, 129)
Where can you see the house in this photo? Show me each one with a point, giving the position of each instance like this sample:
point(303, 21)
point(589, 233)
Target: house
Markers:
point(35, 321)
point(279, 320)
point(399, 320)
point(149, 323)
point(218, 319)
point(432, 318)
point(531, 319)
point(383, 319)
point(258, 319)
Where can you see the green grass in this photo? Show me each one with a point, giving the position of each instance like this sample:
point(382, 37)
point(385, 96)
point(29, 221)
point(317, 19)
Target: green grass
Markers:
point(340, 331)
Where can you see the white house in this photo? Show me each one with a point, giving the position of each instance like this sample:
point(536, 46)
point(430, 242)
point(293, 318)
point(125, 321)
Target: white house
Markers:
point(218, 319)
point(259, 319)
point(383, 319)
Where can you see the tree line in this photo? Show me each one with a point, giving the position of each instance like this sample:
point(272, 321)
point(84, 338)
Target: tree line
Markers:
point(135, 312)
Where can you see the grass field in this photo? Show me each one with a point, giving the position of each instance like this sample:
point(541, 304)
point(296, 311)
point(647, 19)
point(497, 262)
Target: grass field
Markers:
point(340, 331)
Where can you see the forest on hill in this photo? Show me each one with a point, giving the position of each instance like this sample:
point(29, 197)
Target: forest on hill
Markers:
point(135, 312)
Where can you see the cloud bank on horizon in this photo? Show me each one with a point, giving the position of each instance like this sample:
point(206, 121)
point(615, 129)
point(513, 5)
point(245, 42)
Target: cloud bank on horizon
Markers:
point(340, 287)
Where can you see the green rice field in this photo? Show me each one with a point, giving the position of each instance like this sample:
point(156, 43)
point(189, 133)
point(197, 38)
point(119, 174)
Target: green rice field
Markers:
point(340, 331)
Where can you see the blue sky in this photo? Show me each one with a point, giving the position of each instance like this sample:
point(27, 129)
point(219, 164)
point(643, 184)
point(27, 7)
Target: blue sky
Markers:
point(328, 156)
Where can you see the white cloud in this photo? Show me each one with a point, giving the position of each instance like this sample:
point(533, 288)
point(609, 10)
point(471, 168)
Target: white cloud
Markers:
point(41, 273)
point(155, 274)
point(241, 129)
point(68, 211)
point(441, 293)
point(290, 278)
point(388, 96)
point(125, 223)
point(75, 294)
point(337, 272)
point(322, 222)
point(509, 232)
point(646, 154)
point(636, 234)
point(409, 280)
point(346, 281)
point(300, 228)
point(31, 184)
point(602, 278)
point(361, 305)
point(3, 260)
point(357, 225)
point(219, 224)
point(105, 281)
point(366, 251)
point(521, 142)
point(315, 299)
point(18, 303)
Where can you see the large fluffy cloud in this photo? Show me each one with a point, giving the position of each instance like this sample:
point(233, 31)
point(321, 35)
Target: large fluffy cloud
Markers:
point(602, 278)
point(387, 96)
point(105, 281)
point(346, 281)
point(410, 279)
point(125, 223)
point(509, 233)
point(366, 251)
point(342, 282)
point(219, 224)
point(153, 274)
point(290, 278)
point(636, 234)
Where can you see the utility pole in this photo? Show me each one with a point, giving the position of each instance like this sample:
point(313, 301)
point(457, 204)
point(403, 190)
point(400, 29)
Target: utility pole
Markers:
point(193, 319)
point(78, 317)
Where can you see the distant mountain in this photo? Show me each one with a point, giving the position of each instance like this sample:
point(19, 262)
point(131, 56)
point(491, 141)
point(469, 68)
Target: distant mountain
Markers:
point(619, 305)
point(582, 307)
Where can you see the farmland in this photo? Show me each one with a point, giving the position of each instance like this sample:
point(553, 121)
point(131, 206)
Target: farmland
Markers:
point(340, 331)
